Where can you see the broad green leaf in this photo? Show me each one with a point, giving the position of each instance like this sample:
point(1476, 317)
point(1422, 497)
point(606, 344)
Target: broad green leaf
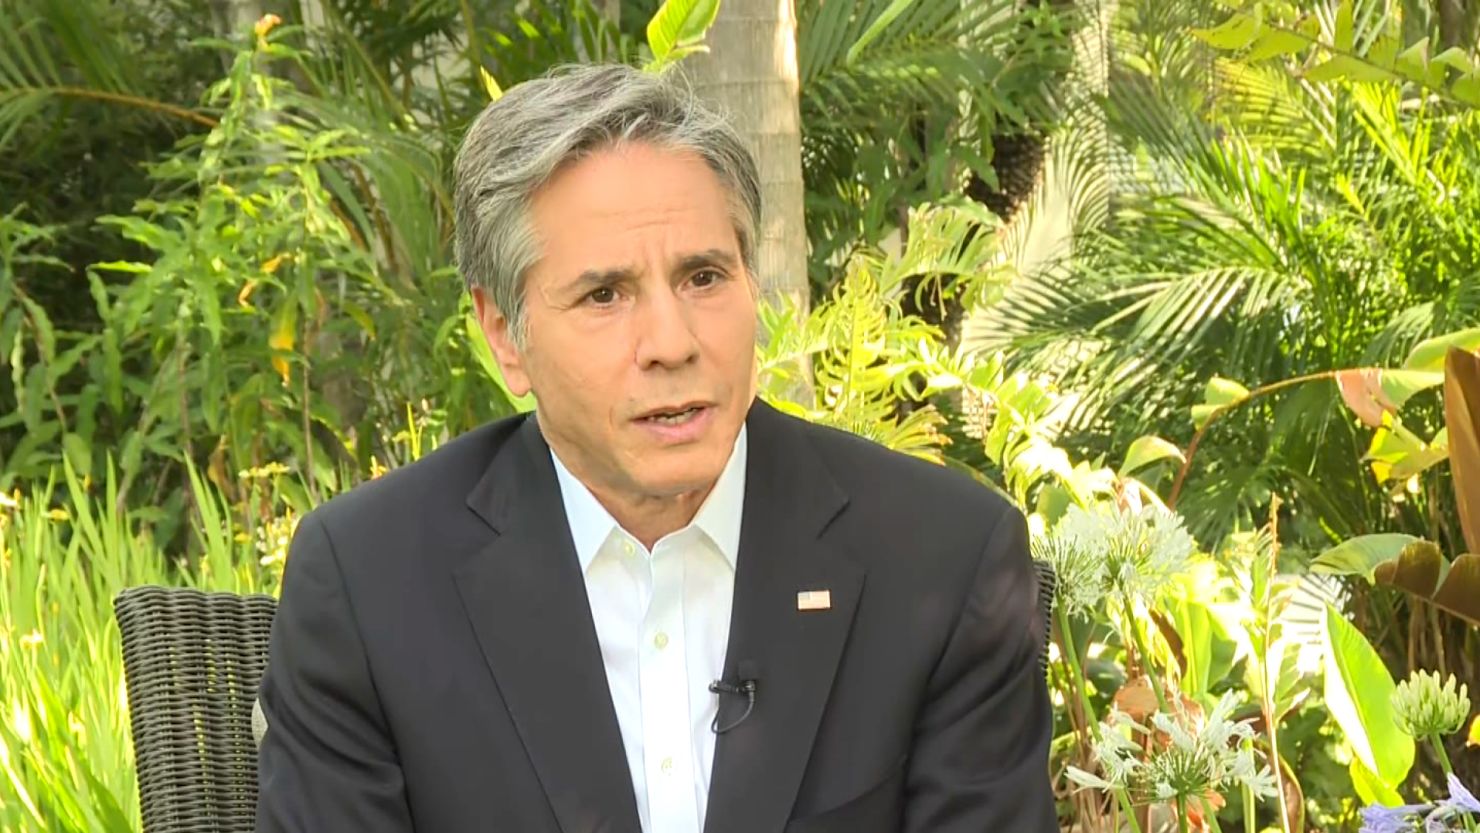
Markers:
point(1429, 354)
point(1147, 450)
point(1219, 393)
point(1397, 453)
point(1236, 32)
point(1359, 693)
point(1414, 61)
point(1462, 420)
point(1370, 788)
point(1371, 391)
point(1360, 556)
point(1206, 648)
point(478, 343)
point(679, 23)
point(1271, 43)
point(1346, 68)
point(1401, 385)
point(1455, 58)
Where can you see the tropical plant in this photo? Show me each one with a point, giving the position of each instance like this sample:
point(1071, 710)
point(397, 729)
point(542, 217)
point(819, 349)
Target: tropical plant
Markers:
point(900, 103)
point(1263, 225)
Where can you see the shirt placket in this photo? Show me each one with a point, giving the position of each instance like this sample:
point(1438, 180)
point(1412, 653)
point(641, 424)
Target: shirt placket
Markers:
point(667, 747)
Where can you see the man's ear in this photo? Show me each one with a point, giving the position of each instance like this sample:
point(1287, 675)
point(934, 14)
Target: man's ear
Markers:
point(496, 330)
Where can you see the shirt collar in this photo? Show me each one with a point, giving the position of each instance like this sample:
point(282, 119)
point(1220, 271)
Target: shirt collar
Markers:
point(718, 518)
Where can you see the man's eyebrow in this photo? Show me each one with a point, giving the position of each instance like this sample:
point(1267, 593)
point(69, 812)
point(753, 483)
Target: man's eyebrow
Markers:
point(708, 257)
point(596, 278)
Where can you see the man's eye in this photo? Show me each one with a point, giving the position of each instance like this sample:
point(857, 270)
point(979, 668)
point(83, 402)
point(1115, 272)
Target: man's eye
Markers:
point(603, 296)
point(706, 278)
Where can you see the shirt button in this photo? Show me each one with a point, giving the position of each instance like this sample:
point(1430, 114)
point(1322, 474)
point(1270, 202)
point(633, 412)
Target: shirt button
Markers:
point(627, 547)
point(667, 766)
point(661, 640)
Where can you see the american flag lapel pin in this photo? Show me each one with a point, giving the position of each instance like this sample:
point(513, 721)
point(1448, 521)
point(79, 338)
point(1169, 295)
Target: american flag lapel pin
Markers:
point(814, 600)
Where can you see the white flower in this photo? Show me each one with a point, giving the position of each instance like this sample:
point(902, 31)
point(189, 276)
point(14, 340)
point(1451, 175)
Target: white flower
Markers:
point(1079, 574)
point(1191, 757)
point(1140, 551)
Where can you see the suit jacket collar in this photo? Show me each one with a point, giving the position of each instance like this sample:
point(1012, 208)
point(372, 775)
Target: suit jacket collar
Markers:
point(525, 596)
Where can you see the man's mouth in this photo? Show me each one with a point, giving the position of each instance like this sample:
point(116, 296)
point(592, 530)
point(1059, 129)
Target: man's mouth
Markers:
point(673, 416)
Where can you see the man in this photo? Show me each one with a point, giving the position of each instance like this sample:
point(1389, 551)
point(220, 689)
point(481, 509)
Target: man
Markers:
point(520, 632)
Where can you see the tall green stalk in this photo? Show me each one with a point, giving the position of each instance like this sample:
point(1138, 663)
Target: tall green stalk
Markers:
point(1079, 682)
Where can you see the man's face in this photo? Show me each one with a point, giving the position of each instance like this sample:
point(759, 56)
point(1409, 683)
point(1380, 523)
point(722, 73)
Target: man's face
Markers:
point(641, 323)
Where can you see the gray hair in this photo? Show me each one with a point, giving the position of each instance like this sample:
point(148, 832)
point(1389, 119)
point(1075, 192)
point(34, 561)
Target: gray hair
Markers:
point(524, 138)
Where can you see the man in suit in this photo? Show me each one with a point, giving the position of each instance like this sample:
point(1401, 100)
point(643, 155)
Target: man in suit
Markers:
point(656, 605)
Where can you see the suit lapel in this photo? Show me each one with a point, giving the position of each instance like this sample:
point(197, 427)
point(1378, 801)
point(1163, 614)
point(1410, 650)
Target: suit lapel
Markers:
point(526, 599)
point(789, 499)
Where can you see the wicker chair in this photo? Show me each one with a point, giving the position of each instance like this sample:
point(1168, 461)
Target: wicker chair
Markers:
point(193, 662)
point(1048, 582)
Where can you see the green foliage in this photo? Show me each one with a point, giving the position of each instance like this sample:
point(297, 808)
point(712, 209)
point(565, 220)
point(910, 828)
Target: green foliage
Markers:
point(868, 360)
point(66, 763)
point(1349, 41)
point(270, 284)
point(677, 30)
point(270, 320)
point(900, 102)
point(1262, 226)
point(1359, 693)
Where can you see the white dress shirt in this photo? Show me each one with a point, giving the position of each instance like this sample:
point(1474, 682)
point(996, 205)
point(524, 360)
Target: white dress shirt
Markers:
point(663, 621)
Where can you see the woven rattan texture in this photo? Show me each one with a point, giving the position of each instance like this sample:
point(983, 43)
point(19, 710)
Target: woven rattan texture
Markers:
point(193, 661)
point(1047, 582)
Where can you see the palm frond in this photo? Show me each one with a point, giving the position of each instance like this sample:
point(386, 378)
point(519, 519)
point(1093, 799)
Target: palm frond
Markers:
point(52, 51)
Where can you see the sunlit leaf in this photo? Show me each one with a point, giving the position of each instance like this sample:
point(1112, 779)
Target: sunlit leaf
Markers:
point(1359, 693)
point(1272, 43)
point(1346, 68)
point(1237, 32)
point(1370, 788)
point(1360, 556)
point(490, 85)
point(1371, 391)
point(1429, 353)
point(284, 335)
point(679, 23)
point(1147, 450)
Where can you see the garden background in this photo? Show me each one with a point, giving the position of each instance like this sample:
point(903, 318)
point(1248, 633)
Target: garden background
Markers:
point(1196, 284)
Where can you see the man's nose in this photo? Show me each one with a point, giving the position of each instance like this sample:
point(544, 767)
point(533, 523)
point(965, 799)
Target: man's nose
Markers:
point(665, 335)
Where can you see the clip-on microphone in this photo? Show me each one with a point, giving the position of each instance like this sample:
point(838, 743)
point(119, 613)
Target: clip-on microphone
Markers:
point(746, 671)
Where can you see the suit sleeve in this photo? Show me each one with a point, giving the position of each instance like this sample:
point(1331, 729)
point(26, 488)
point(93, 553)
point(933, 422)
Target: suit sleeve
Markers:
point(980, 755)
point(327, 762)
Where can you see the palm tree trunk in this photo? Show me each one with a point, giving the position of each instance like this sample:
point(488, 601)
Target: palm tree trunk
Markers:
point(751, 72)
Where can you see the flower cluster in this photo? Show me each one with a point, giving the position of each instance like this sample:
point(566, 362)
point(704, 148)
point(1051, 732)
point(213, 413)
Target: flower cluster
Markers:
point(1190, 758)
point(1423, 707)
point(1106, 549)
